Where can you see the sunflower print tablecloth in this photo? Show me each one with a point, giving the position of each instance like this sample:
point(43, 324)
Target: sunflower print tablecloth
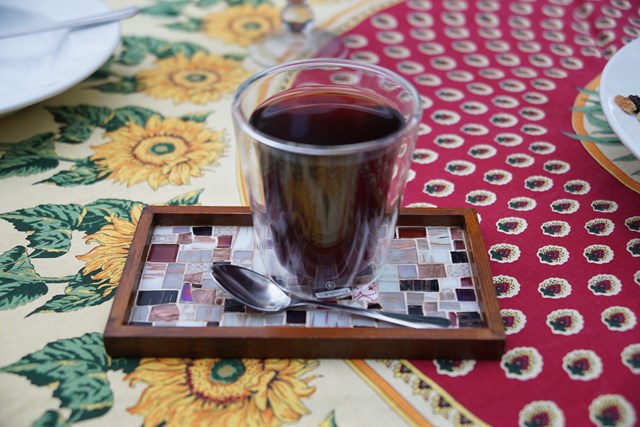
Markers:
point(512, 126)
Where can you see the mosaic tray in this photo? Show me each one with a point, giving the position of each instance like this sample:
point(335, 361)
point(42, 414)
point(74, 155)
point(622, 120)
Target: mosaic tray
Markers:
point(168, 304)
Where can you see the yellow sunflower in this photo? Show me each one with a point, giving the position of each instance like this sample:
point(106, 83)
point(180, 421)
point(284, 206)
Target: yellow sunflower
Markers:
point(107, 260)
point(222, 392)
point(168, 151)
point(199, 79)
point(242, 25)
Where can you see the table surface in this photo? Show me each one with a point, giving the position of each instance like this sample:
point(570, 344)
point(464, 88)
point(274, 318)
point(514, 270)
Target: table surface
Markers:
point(512, 127)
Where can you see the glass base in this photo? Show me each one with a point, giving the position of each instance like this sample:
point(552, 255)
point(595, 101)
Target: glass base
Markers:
point(284, 47)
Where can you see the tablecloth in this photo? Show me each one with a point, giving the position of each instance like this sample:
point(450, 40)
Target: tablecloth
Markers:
point(512, 127)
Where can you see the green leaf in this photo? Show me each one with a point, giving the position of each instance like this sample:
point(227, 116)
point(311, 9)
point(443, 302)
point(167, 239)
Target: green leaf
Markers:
point(50, 227)
point(234, 56)
point(98, 212)
point(589, 91)
point(627, 158)
point(34, 155)
point(78, 121)
point(85, 172)
point(122, 116)
point(19, 282)
point(125, 84)
point(196, 117)
point(192, 25)
point(125, 365)
point(76, 368)
point(329, 420)
point(51, 419)
point(187, 199)
point(81, 292)
point(608, 140)
point(135, 49)
point(165, 8)
point(206, 3)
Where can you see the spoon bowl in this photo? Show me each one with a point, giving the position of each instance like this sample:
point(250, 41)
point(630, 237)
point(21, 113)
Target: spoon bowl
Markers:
point(257, 292)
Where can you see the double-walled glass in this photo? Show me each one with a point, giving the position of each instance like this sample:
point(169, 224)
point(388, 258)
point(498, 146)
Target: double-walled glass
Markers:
point(325, 212)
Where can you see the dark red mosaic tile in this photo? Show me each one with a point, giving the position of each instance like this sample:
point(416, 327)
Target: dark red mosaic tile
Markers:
point(163, 253)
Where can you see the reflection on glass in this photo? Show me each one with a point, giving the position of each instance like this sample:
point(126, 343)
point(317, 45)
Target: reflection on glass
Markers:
point(299, 38)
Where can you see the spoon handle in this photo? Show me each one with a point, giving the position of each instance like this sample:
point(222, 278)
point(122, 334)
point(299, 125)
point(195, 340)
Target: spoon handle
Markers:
point(102, 18)
point(418, 322)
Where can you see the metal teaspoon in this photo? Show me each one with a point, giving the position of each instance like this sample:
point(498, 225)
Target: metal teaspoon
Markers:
point(256, 291)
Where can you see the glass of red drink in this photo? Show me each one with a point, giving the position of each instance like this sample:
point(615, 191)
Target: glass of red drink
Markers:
point(325, 147)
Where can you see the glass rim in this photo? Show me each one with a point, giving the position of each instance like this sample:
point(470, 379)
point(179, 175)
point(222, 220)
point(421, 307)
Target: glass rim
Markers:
point(323, 150)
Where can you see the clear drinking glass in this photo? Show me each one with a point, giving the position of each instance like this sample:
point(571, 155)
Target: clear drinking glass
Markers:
point(325, 147)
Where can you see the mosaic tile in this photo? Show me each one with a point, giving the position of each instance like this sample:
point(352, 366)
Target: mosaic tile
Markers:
point(185, 293)
point(197, 267)
point(415, 298)
point(195, 256)
point(469, 319)
point(459, 257)
point(140, 313)
point(224, 241)
point(458, 270)
point(411, 232)
point(362, 322)
point(431, 271)
point(205, 239)
point(415, 310)
point(296, 317)
point(165, 313)
point(185, 239)
point(466, 281)
point(466, 294)
point(403, 256)
point(449, 305)
point(232, 306)
point(434, 257)
point(328, 319)
point(393, 301)
point(187, 312)
point(165, 238)
point(275, 319)
point(456, 233)
point(204, 296)
point(180, 229)
point(427, 273)
point(225, 230)
point(209, 313)
point(202, 231)
point(173, 277)
point(244, 239)
point(446, 283)
point(407, 271)
point(423, 244)
point(163, 230)
point(163, 253)
point(152, 276)
point(221, 255)
point(156, 297)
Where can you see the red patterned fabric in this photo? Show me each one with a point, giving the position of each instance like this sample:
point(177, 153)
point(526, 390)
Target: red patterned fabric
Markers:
point(499, 80)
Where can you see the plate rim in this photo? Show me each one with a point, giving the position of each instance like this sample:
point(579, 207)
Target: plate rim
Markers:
point(100, 54)
point(605, 102)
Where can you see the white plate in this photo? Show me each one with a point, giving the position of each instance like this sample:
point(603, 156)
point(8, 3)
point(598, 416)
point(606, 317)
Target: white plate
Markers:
point(39, 66)
point(621, 76)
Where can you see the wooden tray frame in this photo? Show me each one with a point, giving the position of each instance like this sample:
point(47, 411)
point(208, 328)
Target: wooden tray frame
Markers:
point(124, 340)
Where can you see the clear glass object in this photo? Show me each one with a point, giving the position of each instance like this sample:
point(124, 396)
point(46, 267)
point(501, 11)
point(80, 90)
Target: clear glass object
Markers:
point(299, 38)
point(325, 213)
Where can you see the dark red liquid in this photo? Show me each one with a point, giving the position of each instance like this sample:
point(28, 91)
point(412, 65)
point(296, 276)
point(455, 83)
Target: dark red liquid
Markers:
point(326, 118)
point(325, 212)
